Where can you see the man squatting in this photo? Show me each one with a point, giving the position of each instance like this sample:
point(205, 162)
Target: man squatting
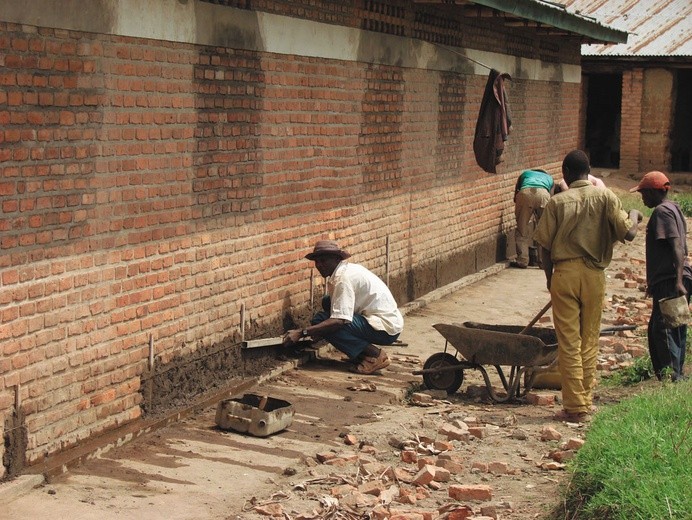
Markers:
point(359, 312)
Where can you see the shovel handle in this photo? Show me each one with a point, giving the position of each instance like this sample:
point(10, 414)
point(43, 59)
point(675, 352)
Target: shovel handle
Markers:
point(536, 318)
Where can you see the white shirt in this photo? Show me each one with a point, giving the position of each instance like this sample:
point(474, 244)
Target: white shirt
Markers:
point(356, 290)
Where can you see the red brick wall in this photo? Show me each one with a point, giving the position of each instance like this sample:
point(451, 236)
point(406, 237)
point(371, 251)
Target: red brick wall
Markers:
point(630, 126)
point(152, 189)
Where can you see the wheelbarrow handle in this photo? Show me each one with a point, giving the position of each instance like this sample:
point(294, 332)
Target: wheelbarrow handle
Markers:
point(536, 318)
point(607, 331)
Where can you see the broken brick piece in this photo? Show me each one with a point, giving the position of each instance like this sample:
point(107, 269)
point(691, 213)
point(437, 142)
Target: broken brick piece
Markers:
point(548, 433)
point(425, 476)
point(454, 433)
point(470, 492)
point(409, 456)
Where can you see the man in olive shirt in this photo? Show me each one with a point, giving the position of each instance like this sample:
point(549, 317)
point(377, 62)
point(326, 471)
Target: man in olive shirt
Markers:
point(577, 232)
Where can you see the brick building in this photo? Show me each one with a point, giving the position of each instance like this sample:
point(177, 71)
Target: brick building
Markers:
point(637, 102)
point(167, 163)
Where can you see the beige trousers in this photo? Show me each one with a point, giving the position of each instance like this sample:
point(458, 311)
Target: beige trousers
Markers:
point(529, 203)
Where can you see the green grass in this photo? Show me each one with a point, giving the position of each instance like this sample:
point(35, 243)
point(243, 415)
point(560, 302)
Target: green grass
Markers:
point(639, 371)
point(634, 201)
point(637, 460)
point(685, 202)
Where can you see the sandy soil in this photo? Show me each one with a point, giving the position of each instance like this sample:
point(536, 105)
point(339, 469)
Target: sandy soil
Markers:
point(193, 470)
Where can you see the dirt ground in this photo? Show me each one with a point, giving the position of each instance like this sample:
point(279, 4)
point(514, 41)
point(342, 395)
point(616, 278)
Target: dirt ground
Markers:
point(343, 455)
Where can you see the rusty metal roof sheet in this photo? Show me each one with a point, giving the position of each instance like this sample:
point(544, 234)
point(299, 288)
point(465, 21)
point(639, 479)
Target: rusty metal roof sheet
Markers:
point(543, 16)
point(657, 27)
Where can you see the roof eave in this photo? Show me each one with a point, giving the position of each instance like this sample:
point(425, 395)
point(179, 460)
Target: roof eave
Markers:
point(558, 18)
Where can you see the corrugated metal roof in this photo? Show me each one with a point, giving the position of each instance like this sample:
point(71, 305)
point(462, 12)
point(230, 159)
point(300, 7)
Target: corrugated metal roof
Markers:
point(552, 13)
point(544, 16)
point(657, 27)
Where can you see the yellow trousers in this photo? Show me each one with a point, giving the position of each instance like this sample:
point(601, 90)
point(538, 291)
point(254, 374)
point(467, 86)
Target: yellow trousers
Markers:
point(577, 293)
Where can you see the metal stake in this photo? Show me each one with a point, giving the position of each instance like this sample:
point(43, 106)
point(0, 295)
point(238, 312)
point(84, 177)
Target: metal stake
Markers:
point(242, 322)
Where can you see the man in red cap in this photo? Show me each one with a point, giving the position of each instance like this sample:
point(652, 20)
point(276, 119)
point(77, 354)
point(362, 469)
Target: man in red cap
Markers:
point(668, 273)
point(359, 310)
point(577, 231)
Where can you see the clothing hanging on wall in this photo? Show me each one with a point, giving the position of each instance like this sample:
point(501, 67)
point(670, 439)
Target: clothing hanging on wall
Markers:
point(494, 123)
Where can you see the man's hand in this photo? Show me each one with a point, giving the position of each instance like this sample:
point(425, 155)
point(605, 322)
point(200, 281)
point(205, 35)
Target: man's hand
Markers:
point(636, 217)
point(547, 262)
point(291, 337)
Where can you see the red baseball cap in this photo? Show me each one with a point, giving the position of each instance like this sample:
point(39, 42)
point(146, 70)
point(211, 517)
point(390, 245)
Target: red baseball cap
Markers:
point(653, 181)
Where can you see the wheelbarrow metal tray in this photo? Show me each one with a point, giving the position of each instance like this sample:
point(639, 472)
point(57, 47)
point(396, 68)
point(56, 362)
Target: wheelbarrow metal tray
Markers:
point(484, 344)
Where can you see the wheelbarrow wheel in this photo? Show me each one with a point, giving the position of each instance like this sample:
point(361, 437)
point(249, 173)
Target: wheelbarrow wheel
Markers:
point(449, 380)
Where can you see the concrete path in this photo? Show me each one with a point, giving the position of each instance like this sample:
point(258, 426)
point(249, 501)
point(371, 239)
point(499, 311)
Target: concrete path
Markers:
point(191, 470)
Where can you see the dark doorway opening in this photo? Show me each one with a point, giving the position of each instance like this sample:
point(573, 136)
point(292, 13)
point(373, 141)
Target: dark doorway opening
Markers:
point(681, 143)
point(603, 102)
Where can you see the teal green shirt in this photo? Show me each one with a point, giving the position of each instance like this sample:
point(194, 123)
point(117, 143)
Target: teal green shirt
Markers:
point(535, 179)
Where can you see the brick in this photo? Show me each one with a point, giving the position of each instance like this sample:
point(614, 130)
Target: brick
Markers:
point(454, 433)
point(273, 510)
point(407, 516)
point(325, 456)
point(442, 474)
point(498, 468)
point(372, 487)
point(561, 455)
point(548, 433)
point(409, 456)
point(470, 492)
point(350, 440)
point(478, 432)
point(453, 467)
point(407, 496)
point(540, 399)
point(342, 490)
point(425, 461)
point(460, 513)
point(480, 466)
point(425, 475)
point(574, 444)
point(356, 499)
point(402, 475)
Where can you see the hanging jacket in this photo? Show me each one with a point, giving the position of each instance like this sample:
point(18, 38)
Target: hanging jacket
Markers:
point(494, 123)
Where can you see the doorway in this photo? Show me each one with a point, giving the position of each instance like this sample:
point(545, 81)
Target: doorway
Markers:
point(681, 142)
point(603, 104)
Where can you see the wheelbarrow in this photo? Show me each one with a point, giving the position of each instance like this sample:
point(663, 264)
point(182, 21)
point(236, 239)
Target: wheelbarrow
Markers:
point(527, 351)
